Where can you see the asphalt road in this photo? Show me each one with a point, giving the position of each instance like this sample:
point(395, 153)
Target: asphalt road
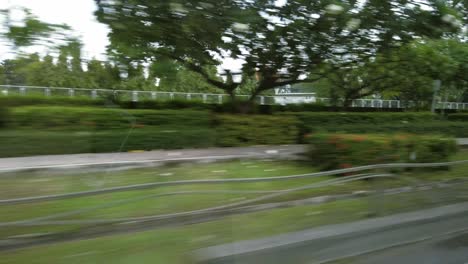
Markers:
point(451, 249)
point(121, 159)
point(146, 157)
point(428, 242)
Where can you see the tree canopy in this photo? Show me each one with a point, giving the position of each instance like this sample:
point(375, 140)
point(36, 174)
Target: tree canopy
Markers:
point(280, 42)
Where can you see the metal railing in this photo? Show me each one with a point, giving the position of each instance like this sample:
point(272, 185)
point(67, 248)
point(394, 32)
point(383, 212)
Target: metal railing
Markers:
point(209, 98)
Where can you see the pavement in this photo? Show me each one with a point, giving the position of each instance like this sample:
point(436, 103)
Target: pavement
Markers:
point(333, 243)
point(462, 141)
point(147, 157)
point(120, 159)
point(449, 249)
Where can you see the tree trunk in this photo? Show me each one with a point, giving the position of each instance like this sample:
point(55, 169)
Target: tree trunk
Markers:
point(347, 101)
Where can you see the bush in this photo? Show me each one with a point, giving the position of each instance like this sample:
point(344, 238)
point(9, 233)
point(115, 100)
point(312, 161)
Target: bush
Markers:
point(103, 118)
point(28, 142)
point(3, 116)
point(334, 121)
point(243, 130)
point(164, 104)
point(334, 151)
point(29, 100)
point(345, 118)
point(463, 117)
point(16, 100)
point(165, 137)
point(455, 129)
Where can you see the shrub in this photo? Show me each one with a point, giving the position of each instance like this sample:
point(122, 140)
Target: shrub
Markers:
point(31, 142)
point(105, 118)
point(164, 104)
point(314, 119)
point(455, 129)
point(334, 151)
point(31, 100)
point(463, 117)
point(243, 130)
point(342, 121)
point(3, 116)
point(164, 137)
point(17, 100)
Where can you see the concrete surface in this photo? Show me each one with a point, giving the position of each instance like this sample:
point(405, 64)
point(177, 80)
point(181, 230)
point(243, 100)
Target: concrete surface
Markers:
point(150, 157)
point(147, 157)
point(450, 249)
point(329, 243)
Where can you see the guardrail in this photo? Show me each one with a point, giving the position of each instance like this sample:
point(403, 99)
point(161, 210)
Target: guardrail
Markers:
point(209, 98)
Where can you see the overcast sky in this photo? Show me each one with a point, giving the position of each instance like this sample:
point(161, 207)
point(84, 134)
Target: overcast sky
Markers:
point(76, 13)
point(79, 15)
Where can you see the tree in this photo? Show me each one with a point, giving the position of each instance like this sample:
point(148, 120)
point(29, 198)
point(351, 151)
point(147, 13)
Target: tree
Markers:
point(31, 31)
point(102, 75)
point(280, 43)
point(422, 62)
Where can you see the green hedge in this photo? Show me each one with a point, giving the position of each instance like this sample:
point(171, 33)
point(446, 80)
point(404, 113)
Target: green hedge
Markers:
point(105, 118)
point(3, 116)
point(333, 151)
point(448, 128)
point(30, 142)
point(318, 119)
point(17, 100)
point(458, 117)
point(233, 130)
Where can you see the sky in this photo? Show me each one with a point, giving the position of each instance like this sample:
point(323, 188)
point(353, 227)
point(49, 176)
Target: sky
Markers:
point(79, 15)
point(76, 13)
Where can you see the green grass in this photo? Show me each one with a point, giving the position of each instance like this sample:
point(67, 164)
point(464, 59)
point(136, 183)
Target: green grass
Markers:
point(173, 245)
point(26, 184)
point(170, 245)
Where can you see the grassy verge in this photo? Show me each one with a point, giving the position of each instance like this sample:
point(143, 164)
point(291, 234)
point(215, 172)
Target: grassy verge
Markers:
point(44, 183)
point(173, 245)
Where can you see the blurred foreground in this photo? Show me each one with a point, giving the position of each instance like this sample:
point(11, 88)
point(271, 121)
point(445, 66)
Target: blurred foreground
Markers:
point(193, 205)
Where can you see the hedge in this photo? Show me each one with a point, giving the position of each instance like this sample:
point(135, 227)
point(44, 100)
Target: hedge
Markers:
point(28, 142)
point(17, 100)
point(458, 117)
point(318, 119)
point(106, 118)
point(234, 130)
point(448, 128)
point(333, 151)
point(177, 103)
point(3, 116)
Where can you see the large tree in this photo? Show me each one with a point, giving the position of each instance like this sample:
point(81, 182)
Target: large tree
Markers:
point(29, 30)
point(280, 42)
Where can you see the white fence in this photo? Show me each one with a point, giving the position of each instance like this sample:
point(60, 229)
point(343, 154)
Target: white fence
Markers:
point(209, 98)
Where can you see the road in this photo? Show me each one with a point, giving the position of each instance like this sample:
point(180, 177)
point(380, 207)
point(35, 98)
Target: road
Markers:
point(146, 157)
point(432, 241)
point(446, 250)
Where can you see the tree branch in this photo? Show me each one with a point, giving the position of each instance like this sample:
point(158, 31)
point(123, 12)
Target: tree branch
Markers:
point(198, 69)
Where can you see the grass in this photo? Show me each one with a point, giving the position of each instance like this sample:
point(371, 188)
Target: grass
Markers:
point(16, 185)
point(170, 245)
point(173, 245)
